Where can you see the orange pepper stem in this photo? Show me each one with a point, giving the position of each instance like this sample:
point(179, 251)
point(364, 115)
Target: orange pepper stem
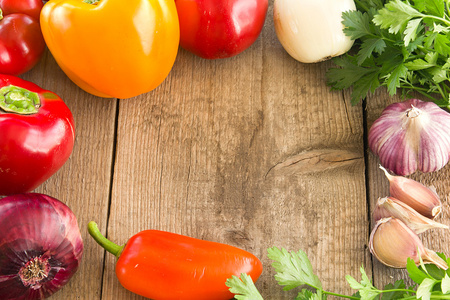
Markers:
point(102, 241)
point(91, 1)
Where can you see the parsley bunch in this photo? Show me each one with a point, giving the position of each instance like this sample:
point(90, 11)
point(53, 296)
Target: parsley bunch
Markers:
point(294, 270)
point(399, 44)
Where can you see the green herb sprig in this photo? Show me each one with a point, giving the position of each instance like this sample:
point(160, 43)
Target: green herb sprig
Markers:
point(400, 45)
point(294, 270)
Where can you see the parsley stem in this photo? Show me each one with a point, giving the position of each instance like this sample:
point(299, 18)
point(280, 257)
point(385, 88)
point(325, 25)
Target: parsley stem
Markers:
point(447, 22)
point(398, 290)
point(340, 296)
point(423, 92)
point(431, 297)
point(360, 4)
point(440, 90)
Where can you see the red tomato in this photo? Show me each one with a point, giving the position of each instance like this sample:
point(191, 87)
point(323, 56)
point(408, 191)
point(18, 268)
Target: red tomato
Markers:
point(21, 40)
point(220, 28)
point(36, 135)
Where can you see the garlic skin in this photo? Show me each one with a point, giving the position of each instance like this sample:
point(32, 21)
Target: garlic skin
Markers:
point(312, 30)
point(392, 243)
point(411, 135)
point(419, 197)
point(391, 207)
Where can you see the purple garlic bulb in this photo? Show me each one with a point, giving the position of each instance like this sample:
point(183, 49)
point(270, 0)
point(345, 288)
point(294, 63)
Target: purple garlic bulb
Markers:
point(411, 135)
point(40, 246)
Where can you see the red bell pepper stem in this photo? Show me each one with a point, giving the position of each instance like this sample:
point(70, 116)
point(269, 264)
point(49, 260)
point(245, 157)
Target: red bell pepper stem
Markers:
point(1, 14)
point(102, 241)
point(19, 100)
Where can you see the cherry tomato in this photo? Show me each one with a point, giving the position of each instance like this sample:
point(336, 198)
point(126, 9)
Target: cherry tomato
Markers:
point(220, 28)
point(21, 41)
point(36, 135)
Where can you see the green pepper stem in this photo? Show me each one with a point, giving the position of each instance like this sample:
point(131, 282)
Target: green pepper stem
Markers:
point(102, 241)
point(19, 100)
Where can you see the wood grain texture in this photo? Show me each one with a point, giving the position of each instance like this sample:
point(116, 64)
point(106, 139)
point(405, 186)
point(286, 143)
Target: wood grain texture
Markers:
point(195, 157)
point(253, 151)
point(83, 183)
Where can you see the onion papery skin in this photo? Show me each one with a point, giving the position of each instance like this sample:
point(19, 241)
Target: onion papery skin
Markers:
point(36, 228)
point(311, 31)
point(405, 144)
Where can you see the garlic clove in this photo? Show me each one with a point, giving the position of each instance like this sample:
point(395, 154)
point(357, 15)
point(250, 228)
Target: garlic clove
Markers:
point(419, 197)
point(411, 135)
point(392, 243)
point(391, 207)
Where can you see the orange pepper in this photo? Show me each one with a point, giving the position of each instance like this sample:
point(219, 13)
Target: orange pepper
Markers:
point(162, 265)
point(113, 48)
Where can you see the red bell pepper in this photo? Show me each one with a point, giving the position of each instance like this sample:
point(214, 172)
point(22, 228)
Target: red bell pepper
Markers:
point(220, 28)
point(21, 41)
point(163, 266)
point(36, 135)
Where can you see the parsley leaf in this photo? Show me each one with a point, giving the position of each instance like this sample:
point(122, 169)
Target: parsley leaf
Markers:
point(307, 295)
point(293, 269)
point(368, 46)
point(365, 289)
point(357, 24)
point(243, 287)
point(432, 7)
point(411, 30)
point(399, 44)
point(395, 15)
point(414, 272)
point(425, 288)
point(445, 284)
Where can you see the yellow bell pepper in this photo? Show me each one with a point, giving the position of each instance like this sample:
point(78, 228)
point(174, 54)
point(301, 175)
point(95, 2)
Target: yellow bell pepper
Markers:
point(113, 48)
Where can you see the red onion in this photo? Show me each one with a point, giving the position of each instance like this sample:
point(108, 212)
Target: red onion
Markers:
point(40, 246)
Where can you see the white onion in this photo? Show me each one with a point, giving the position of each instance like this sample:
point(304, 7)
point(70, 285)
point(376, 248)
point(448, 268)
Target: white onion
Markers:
point(312, 30)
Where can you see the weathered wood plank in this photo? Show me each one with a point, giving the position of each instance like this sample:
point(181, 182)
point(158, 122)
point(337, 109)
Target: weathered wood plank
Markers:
point(438, 240)
point(213, 153)
point(83, 183)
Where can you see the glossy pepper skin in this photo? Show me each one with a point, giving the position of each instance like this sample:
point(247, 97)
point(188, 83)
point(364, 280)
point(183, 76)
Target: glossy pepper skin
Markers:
point(21, 42)
point(36, 135)
point(163, 266)
point(214, 29)
point(113, 48)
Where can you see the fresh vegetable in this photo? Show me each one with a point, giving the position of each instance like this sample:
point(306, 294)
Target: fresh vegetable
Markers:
point(220, 28)
point(294, 270)
point(407, 245)
point(163, 265)
point(40, 246)
point(113, 48)
point(401, 45)
point(312, 31)
point(419, 197)
point(392, 207)
point(36, 135)
point(21, 42)
point(411, 135)
point(409, 211)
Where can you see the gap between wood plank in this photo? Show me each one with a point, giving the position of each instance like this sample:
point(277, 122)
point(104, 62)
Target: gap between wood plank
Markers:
point(108, 213)
point(366, 176)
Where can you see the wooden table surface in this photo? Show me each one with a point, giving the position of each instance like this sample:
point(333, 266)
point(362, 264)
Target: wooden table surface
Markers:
point(254, 151)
